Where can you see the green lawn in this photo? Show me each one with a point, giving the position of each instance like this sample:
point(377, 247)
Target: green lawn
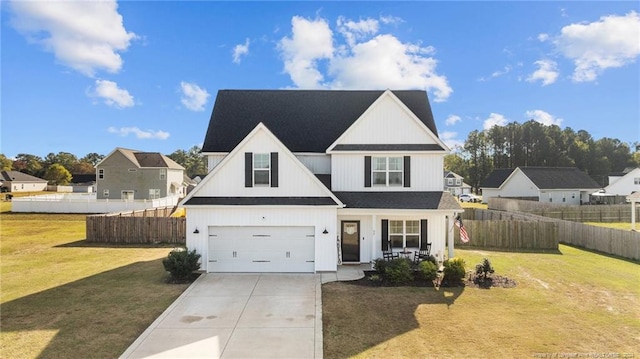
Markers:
point(64, 298)
point(572, 302)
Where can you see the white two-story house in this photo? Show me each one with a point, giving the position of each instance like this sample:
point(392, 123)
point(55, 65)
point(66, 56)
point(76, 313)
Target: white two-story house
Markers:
point(303, 181)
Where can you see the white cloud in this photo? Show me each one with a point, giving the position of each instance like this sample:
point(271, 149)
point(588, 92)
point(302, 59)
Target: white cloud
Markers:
point(613, 41)
point(494, 119)
point(367, 60)
point(547, 72)
point(193, 96)
point(543, 37)
point(389, 19)
point(240, 50)
point(543, 117)
point(112, 95)
point(84, 35)
point(143, 135)
point(451, 140)
point(311, 40)
point(452, 120)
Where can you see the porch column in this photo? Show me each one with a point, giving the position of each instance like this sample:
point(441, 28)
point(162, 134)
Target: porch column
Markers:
point(449, 224)
point(374, 218)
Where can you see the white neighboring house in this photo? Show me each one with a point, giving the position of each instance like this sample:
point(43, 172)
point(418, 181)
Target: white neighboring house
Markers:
point(625, 183)
point(15, 181)
point(560, 185)
point(302, 181)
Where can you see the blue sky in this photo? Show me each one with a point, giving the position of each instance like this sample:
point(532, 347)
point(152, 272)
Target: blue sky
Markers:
point(88, 77)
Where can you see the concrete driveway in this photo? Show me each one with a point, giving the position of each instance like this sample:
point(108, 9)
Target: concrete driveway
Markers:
point(239, 316)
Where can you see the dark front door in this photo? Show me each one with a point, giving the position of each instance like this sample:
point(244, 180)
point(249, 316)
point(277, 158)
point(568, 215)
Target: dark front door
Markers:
point(351, 241)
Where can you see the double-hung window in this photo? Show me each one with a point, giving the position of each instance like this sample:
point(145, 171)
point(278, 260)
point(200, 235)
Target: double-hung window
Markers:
point(387, 171)
point(404, 234)
point(261, 169)
point(636, 180)
point(163, 174)
point(154, 193)
point(101, 174)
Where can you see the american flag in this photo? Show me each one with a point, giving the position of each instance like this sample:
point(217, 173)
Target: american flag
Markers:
point(464, 236)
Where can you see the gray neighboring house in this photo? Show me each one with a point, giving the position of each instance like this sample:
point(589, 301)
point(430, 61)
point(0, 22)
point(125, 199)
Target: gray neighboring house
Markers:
point(563, 185)
point(15, 181)
point(137, 175)
point(454, 184)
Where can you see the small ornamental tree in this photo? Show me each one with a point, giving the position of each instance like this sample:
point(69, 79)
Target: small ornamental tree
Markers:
point(484, 269)
point(58, 175)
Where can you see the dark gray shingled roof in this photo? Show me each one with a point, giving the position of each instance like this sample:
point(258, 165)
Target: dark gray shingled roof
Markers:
point(262, 201)
point(398, 200)
point(155, 159)
point(545, 178)
point(304, 120)
point(18, 176)
point(390, 147)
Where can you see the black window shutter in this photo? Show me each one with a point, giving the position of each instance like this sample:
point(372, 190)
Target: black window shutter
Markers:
point(367, 171)
point(423, 234)
point(274, 169)
point(248, 169)
point(407, 171)
point(385, 235)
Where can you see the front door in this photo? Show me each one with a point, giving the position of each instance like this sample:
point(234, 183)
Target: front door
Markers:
point(351, 241)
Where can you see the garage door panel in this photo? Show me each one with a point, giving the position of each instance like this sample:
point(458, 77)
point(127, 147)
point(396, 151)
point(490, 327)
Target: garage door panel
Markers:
point(261, 249)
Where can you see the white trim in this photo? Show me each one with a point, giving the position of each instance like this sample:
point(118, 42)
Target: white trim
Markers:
point(404, 107)
point(234, 152)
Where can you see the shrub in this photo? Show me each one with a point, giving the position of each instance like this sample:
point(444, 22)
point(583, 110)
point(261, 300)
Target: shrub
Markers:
point(427, 270)
point(379, 265)
point(484, 268)
point(432, 259)
point(181, 263)
point(454, 270)
point(398, 271)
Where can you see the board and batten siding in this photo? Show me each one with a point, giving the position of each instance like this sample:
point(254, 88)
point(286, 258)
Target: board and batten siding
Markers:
point(213, 159)
point(320, 218)
point(348, 173)
point(316, 163)
point(293, 180)
point(387, 122)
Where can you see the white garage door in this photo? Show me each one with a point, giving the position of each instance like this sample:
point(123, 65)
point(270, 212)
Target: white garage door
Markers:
point(261, 249)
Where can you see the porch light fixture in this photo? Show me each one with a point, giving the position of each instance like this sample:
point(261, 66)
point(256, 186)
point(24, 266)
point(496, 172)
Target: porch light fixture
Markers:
point(196, 231)
point(325, 231)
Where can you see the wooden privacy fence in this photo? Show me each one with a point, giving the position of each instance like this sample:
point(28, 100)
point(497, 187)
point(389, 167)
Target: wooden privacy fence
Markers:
point(584, 213)
point(490, 230)
point(618, 242)
point(146, 226)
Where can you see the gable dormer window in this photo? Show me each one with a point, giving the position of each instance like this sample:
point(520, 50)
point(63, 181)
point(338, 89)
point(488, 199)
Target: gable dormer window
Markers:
point(387, 171)
point(260, 169)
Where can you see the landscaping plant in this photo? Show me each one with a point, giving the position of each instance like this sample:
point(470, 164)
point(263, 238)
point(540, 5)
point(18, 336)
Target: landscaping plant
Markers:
point(398, 271)
point(484, 269)
point(454, 270)
point(427, 270)
point(181, 263)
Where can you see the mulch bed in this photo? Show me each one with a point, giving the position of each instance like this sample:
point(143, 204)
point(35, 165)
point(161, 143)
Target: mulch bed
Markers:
point(471, 280)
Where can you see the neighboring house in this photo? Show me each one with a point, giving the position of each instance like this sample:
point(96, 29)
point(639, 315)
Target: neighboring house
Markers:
point(624, 183)
point(301, 181)
point(454, 184)
point(15, 181)
point(135, 175)
point(564, 185)
point(83, 183)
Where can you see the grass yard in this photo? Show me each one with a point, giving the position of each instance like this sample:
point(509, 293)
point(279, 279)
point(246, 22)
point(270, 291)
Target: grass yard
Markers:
point(617, 225)
point(64, 298)
point(570, 303)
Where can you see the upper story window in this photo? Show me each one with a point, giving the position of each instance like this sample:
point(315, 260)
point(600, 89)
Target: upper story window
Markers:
point(458, 182)
point(163, 173)
point(636, 180)
point(261, 169)
point(101, 174)
point(449, 181)
point(387, 171)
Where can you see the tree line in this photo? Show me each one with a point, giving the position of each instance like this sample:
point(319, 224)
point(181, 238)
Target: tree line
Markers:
point(59, 168)
point(534, 144)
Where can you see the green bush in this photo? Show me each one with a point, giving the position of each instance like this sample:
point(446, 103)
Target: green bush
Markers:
point(398, 271)
point(454, 270)
point(427, 270)
point(484, 269)
point(181, 263)
point(379, 265)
